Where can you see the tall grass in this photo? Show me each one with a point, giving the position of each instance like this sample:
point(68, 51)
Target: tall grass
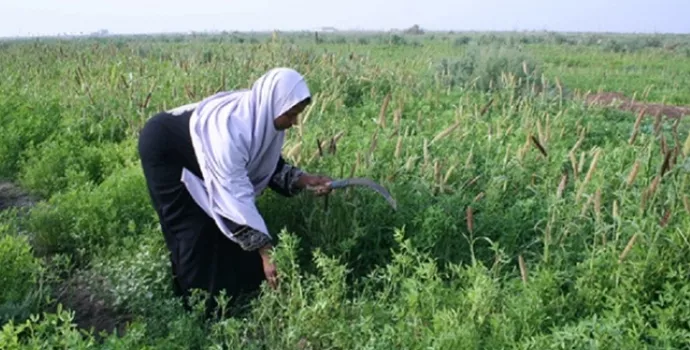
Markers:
point(526, 220)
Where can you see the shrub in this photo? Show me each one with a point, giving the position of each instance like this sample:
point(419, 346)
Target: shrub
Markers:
point(52, 331)
point(24, 124)
point(490, 67)
point(18, 277)
point(67, 161)
point(88, 218)
point(19, 268)
point(136, 273)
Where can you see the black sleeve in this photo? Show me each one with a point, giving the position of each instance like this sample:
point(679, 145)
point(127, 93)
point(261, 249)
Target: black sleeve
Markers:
point(248, 238)
point(284, 178)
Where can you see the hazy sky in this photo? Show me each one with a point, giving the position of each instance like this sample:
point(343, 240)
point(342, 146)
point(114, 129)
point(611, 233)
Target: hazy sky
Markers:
point(32, 17)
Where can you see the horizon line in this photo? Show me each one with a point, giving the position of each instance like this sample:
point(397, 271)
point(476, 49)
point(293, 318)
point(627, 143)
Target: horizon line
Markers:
point(329, 30)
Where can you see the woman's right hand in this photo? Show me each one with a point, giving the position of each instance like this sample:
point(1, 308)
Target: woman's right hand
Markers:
point(269, 267)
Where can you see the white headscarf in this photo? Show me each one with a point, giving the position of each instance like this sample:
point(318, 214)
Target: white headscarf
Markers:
point(238, 147)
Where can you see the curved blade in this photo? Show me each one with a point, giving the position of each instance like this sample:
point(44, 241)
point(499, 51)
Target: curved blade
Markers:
point(368, 183)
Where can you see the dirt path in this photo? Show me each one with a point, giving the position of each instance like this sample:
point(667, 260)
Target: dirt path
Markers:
point(620, 101)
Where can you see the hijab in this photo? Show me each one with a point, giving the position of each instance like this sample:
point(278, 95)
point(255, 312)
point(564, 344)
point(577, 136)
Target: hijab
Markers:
point(238, 147)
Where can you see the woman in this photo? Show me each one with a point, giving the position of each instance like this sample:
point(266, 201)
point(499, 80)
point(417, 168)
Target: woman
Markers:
point(205, 164)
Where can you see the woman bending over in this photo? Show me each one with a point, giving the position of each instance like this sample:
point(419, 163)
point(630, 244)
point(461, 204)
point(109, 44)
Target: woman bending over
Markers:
point(206, 163)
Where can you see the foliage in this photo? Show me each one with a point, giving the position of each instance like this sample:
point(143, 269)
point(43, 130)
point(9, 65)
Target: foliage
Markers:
point(89, 218)
point(20, 275)
point(20, 268)
point(24, 123)
point(491, 67)
point(526, 220)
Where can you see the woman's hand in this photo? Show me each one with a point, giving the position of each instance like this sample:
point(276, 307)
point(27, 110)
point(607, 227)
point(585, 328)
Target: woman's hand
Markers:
point(317, 184)
point(269, 268)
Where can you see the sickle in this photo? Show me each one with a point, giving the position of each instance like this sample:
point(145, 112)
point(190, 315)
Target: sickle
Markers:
point(342, 183)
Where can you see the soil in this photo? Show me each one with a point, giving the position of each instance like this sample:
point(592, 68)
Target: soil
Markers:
point(12, 196)
point(618, 100)
point(91, 311)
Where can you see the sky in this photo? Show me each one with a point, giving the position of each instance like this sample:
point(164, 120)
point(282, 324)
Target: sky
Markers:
point(53, 17)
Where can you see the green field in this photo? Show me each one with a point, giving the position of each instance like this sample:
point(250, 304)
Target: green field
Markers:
point(526, 219)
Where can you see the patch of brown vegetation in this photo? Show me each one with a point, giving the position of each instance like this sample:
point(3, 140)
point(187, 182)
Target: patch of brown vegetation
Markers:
point(618, 100)
point(92, 311)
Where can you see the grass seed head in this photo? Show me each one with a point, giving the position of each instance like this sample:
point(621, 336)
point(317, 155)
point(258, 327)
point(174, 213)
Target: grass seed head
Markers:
point(590, 173)
point(478, 197)
point(586, 205)
point(384, 107)
point(633, 173)
point(615, 210)
point(573, 164)
point(636, 127)
point(469, 216)
point(538, 145)
point(425, 151)
point(665, 166)
point(664, 220)
point(523, 269)
point(597, 204)
point(398, 147)
point(561, 186)
point(581, 164)
point(396, 117)
point(447, 131)
point(409, 164)
point(627, 249)
point(654, 185)
point(437, 171)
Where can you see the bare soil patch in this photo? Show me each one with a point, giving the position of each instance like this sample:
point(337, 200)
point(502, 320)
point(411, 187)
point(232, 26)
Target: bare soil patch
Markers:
point(13, 196)
point(92, 311)
point(618, 100)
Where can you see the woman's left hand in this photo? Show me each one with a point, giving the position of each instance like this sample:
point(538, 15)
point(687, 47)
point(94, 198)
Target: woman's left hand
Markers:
point(318, 184)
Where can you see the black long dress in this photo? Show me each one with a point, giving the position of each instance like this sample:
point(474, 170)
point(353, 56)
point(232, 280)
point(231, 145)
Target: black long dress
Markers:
point(201, 255)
